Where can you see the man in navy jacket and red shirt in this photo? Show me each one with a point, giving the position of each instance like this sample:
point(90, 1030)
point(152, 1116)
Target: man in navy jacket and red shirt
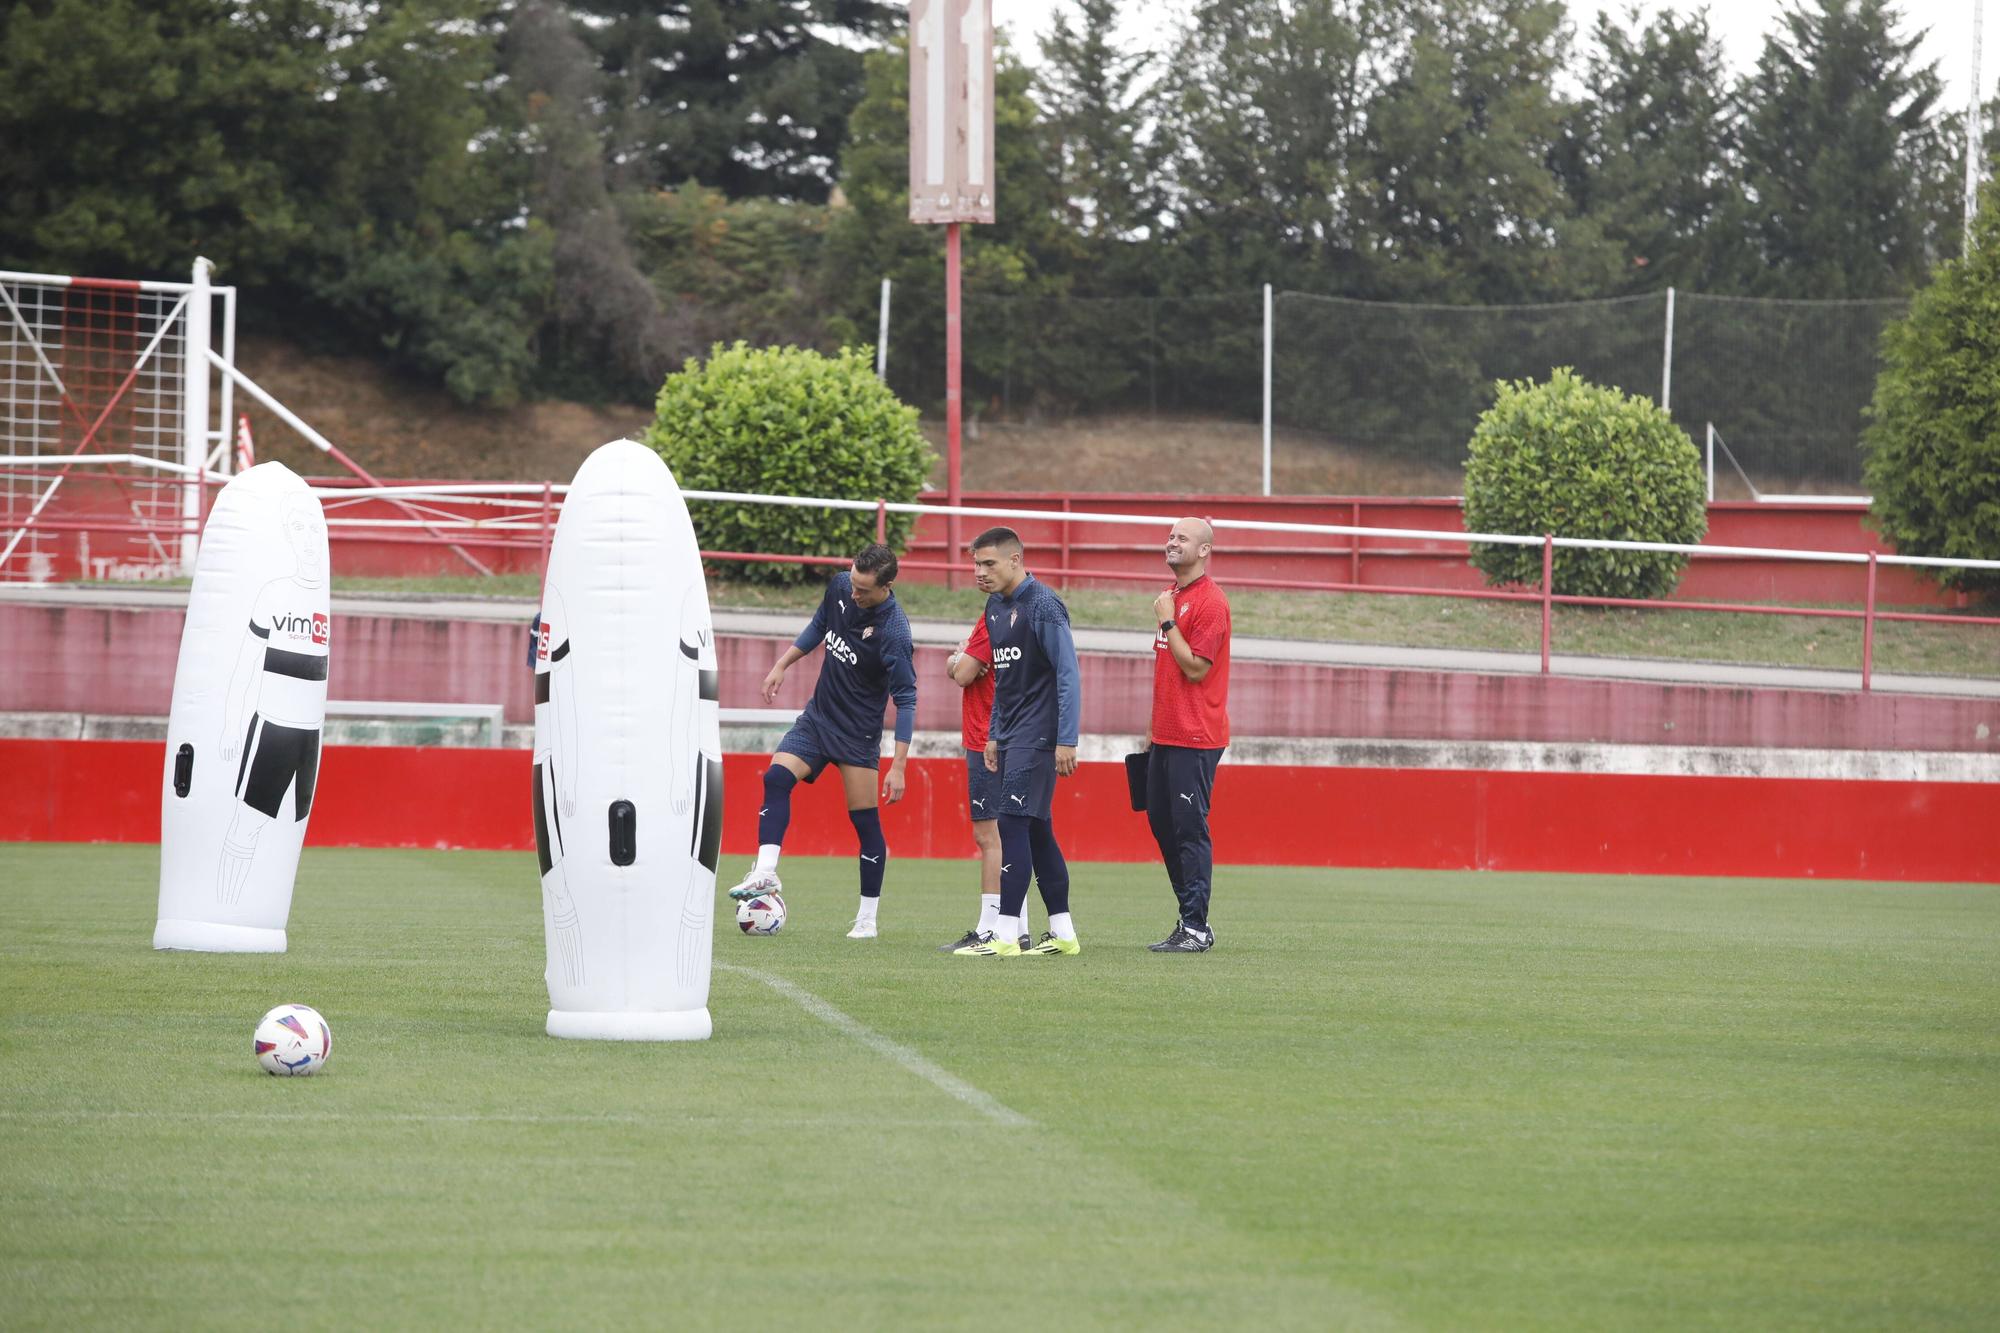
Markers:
point(1189, 728)
point(1037, 703)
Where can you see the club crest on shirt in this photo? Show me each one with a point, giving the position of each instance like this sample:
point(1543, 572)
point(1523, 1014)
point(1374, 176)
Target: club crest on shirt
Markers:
point(1012, 616)
point(867, 631)
point(1184, 607)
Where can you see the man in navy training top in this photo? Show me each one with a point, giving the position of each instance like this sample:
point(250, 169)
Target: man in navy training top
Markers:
point(868, 662)
point(1031, 741)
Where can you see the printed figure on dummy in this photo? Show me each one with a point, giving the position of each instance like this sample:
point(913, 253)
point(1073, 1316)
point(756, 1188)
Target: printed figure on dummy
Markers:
point(695, 749)
point(555, 778)
point(279, 685)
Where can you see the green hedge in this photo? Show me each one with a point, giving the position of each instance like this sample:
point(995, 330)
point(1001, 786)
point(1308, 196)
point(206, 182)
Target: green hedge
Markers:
point(1572, 458)
point(784, 421)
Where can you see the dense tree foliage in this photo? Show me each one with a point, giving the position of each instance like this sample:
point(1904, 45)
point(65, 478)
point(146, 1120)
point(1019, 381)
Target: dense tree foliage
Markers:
point(543, 195)
point(1837, 150)
point(750, 97)
point(1466, 206)
point(1647, 155)
point(1933, 444)
point(1096, 101)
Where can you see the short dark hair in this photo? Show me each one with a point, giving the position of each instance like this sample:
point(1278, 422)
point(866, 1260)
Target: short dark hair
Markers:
point(1004, 538)
point(879, 560)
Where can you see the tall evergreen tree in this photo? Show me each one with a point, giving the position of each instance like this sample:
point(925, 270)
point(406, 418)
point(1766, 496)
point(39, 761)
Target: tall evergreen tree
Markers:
point(1095, 100)
point(751, 97)
point(1932, 447)
point(1651, 151)
point(135, 134)
point(1465, 204)
point(350, 163)
point(1264, 116)
point(607, 326)
point(1836, 147)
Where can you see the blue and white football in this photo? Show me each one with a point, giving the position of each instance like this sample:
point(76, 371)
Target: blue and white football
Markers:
point(293, 1039)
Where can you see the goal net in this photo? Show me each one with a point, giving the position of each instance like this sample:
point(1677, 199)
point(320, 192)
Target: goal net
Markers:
point(106, 422)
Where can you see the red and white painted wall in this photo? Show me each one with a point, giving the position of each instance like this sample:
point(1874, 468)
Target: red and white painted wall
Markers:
point(1337, 766)
point(1911, 827)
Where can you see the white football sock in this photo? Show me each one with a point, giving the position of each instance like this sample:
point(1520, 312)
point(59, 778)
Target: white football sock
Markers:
point(989, 912)
point(767, 857)
point(1008, 928)
point(867, 912)
point(1060, 927)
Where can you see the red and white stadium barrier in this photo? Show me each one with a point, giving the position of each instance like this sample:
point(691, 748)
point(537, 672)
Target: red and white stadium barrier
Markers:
point(1415, 818)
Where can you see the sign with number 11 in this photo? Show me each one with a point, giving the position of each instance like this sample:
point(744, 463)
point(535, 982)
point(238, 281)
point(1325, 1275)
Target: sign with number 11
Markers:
point(951, 111)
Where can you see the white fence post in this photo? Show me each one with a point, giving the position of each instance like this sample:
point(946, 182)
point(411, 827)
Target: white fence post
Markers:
point(1667, 359)
point(194, 407)
point(226, 418)
point(1267, 388)
point(1711, 462)
point(882, 337)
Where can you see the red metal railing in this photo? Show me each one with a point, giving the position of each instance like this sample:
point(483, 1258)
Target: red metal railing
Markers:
point(527, 525)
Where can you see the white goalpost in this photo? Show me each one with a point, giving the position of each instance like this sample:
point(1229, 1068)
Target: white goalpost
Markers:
point(96, 367)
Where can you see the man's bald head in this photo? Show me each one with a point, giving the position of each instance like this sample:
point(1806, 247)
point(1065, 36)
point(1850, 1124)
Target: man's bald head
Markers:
point(1189, 546)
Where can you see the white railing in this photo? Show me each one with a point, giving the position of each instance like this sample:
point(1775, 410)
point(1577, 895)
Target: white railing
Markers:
point(527, 512)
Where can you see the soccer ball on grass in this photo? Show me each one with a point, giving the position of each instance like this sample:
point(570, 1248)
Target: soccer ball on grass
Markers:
point(293, 1039)
point(762, 915)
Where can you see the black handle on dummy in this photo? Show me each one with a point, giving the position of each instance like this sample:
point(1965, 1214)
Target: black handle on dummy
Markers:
point(184, 769)
point(624, 833)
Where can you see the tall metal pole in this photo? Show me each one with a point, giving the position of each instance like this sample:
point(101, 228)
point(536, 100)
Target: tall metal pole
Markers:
point(951, 396)
point(1267, 388)
point(1973, 129)
point(194, 410)
point(882, 337)
point(1667, 359)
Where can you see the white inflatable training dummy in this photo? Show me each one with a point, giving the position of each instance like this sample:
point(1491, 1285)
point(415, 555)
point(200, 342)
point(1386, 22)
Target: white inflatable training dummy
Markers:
point(243, 737)
point(628, 757)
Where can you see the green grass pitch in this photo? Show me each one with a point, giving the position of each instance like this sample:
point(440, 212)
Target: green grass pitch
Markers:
point(1387, 1100)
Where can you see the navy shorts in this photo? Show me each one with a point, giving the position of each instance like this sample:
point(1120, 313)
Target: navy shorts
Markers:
point(982, 789)
point(1027, 782)
point(819, 747)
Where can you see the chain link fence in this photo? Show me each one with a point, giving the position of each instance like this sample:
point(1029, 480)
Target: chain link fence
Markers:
point(1381, 398)
point(1030, 361)
point(1786, 385)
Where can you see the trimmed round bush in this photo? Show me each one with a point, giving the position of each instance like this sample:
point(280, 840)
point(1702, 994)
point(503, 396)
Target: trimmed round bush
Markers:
point(1579, 460)
point(786, 421)
point(1932, 444)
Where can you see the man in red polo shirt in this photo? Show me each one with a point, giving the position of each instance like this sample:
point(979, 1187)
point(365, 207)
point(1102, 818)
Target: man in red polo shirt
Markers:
point(1189, 729)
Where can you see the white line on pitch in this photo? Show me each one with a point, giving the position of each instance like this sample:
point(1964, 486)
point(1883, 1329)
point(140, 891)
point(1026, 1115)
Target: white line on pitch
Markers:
point(462, 1118)
point(948, 1083)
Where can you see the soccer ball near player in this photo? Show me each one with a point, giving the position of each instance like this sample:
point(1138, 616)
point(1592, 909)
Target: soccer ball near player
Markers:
point(293, 1039)
point(762, 915)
